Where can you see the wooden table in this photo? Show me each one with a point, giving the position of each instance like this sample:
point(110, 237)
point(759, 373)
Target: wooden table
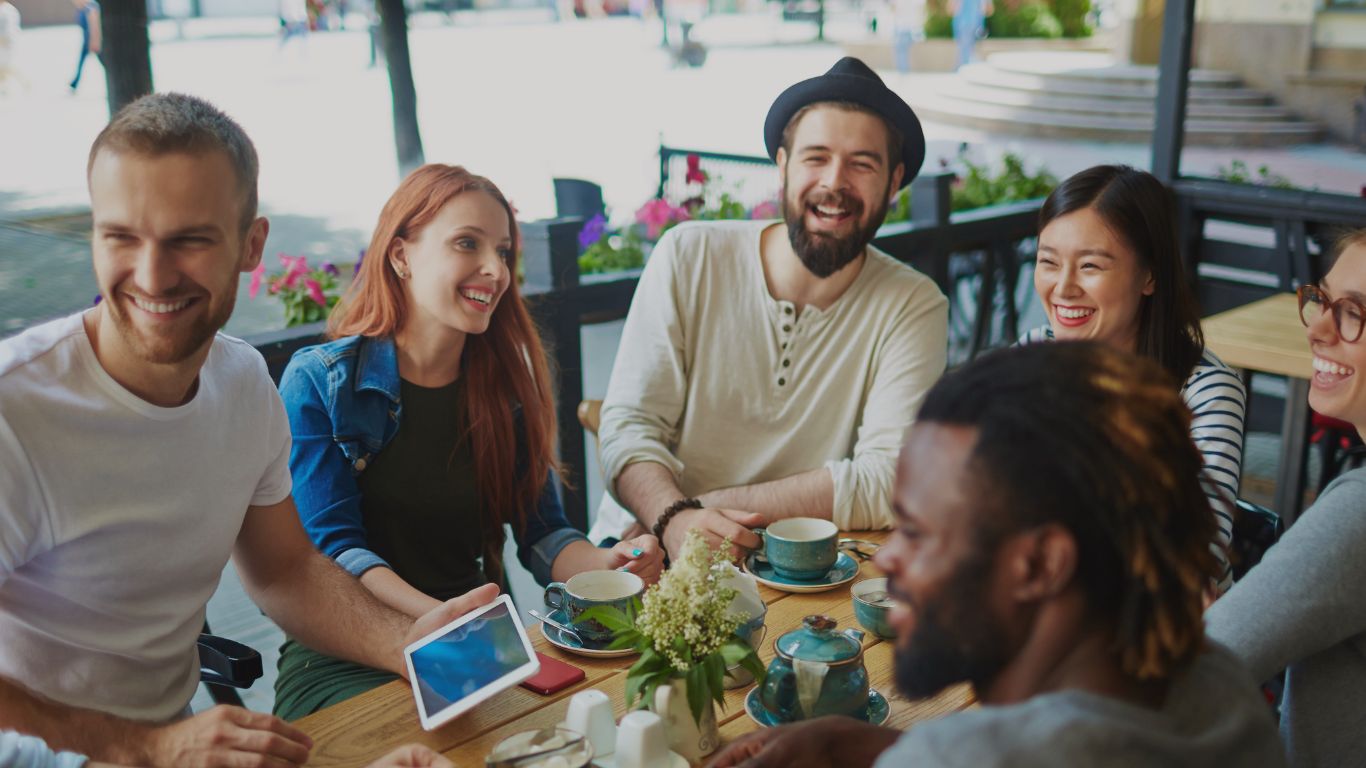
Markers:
point(1267, 336)
point(357, 731)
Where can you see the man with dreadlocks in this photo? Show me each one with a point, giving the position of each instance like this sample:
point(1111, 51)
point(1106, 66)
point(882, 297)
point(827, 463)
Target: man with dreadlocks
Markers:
point(1051, 547)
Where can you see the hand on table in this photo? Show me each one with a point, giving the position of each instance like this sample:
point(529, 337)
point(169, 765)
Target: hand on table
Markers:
point(715, 525)
point(447, 612)
point(412, 756)
point(641, 555)
point(824, 741)
point(228, 736)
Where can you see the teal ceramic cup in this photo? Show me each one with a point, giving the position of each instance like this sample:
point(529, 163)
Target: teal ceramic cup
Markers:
point(589, 589)
point(802, 548)
point(871, 606)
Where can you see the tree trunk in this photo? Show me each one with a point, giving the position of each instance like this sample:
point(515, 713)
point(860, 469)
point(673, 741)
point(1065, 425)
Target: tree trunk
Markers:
point(126, 53)
point(407, 138)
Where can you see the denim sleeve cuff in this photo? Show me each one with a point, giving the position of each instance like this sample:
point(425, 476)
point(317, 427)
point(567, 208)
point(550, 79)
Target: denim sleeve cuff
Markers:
point(358, 560)
point(544, 551)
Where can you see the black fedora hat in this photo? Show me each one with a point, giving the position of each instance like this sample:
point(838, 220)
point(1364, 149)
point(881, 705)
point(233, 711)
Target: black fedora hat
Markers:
point(850, 80)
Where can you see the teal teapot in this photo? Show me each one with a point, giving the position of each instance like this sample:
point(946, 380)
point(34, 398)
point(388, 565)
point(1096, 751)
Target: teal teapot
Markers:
point(817, 670)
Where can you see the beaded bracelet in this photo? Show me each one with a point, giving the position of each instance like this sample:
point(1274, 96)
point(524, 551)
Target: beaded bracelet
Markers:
point(674, 508)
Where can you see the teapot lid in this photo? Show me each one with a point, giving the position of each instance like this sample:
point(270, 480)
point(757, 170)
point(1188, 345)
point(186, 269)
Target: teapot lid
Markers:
point(818, 640)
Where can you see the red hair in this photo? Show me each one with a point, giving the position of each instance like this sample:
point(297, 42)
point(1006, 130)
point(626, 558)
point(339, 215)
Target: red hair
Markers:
point(504, 368)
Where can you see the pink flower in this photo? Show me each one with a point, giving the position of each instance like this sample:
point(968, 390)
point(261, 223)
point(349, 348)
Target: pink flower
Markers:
point(256, 275)
point(695, 172)
point(657, 215)
point(768, 209)
point(315, 292)
point(295, 268)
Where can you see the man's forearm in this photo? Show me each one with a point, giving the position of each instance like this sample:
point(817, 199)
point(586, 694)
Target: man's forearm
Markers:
point(806, 494)
point(646, 489)
point(330, 611)
point(97, 735)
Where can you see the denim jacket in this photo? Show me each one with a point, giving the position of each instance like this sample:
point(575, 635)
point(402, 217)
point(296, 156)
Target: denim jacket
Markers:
point(343, 402)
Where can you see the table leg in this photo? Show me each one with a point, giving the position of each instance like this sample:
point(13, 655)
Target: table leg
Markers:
point(1294, 450)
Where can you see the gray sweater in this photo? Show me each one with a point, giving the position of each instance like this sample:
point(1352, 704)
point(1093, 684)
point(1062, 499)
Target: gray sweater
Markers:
point(1303, 608)
point(1213, 716)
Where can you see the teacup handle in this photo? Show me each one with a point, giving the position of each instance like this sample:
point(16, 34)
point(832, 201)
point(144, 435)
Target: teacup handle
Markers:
point(762, 533)
point(554, 595)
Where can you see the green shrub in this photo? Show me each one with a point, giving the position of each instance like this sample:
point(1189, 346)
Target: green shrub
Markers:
point(1074, 15)
point(938, 25)
point(1029, 20)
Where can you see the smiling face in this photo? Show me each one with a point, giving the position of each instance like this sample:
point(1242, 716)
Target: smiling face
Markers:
point(456, 266)
point(1090, 281)
point(939, 571)
point(168, 248)
point(1337, 388)
point(836, 185)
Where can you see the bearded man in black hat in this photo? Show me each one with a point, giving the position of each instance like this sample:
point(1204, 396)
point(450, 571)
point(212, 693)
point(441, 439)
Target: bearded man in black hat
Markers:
point(769, 369)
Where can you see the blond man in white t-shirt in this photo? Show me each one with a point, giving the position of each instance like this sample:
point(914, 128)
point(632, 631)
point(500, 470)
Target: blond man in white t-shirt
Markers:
point(139, 449)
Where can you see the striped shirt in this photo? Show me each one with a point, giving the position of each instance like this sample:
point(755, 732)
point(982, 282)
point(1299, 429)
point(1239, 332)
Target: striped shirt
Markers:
point(1217, 400)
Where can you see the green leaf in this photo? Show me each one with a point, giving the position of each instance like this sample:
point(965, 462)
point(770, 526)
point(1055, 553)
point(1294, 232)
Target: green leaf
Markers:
point(697, 691)
point(733, 652)
point(755, 667)
point(651, 684)
point(607, 616)
point(716, 676)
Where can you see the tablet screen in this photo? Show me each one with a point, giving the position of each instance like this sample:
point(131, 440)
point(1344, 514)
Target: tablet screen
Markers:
point(467, 658)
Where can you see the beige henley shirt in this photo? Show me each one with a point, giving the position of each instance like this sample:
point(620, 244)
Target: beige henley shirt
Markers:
point(724, 385)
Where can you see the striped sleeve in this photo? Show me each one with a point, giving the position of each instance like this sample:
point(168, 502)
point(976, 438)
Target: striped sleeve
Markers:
point(1217, 400)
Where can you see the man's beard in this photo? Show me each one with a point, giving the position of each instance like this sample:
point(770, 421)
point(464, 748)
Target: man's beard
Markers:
point(161, 350)
point(824, 254)
point(956, 638)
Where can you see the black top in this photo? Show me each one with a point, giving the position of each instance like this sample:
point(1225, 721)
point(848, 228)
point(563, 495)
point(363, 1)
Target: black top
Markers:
point(419, 503)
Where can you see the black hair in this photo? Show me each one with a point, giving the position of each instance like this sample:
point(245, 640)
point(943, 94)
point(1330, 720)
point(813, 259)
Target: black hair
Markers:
point(1142, 212)
point(1095, 440)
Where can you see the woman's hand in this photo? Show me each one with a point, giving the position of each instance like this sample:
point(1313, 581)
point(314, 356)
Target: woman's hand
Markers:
point(641, 555)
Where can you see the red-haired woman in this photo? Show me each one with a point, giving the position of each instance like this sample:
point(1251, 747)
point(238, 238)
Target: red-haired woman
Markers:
point(427, 424)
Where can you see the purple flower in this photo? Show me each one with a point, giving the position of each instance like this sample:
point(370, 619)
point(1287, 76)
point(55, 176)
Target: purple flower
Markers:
point(331, 268)
point(592, 231)
point(98, 299)
point(359, 259)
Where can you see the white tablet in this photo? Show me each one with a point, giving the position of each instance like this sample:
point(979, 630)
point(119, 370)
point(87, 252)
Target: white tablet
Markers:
point(469, 660)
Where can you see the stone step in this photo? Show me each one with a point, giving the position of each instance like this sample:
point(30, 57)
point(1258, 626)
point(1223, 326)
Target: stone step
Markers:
point(1089, 66)
point(1082, 105)
point(987, 74)
point(1046, 123)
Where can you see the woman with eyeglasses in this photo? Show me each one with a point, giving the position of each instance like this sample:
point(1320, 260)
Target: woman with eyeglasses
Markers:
point(1301, 608)
point(1109, 269)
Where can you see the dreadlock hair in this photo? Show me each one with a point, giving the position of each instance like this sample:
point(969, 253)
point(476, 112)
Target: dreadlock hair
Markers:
point(1097, 441)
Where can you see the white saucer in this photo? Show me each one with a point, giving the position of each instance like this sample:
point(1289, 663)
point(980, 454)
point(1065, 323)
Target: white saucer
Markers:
point(610, 761)
point(566, 643)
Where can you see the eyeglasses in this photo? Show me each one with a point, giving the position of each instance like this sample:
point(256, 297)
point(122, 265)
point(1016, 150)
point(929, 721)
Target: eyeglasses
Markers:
point(1349, 316)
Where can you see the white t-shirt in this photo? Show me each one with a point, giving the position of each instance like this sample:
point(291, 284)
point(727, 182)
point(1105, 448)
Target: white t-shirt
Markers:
point(725, 385)
point(117, 516)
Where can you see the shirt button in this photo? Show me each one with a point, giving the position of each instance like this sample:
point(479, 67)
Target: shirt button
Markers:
point(784, 345)
point(787, 328)
point(787, 310)
point(786, 363)
point(781, 382)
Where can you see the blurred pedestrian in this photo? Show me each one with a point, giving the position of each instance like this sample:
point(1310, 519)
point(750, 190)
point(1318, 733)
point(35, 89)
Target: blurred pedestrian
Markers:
point(88, 19)
point(969, 24)
point(908, 23)
point(9, 42)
